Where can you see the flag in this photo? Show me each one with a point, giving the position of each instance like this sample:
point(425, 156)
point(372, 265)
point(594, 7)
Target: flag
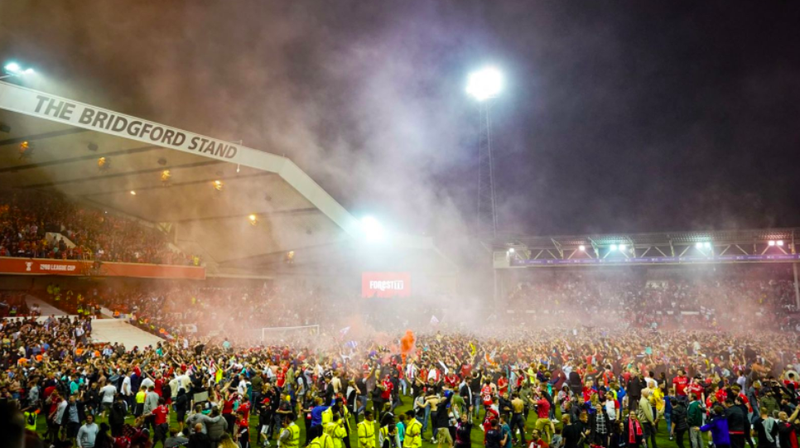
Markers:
point(472, 349)
point(434, 320)
point(344, 331)
point(352, 344)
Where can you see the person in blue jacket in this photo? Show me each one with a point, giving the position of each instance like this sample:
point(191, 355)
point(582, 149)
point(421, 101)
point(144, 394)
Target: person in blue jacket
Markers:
point(719, 428)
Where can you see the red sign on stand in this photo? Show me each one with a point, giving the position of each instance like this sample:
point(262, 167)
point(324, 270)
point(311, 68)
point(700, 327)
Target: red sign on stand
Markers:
point(42, 266)
point(385, 284)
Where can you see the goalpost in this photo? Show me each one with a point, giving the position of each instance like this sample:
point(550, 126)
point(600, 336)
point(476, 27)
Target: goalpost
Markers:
point(282, 333)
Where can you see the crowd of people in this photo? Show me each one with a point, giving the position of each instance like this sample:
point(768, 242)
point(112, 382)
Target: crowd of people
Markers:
point(634, 298)
point(563, 388)
point(78, 232)
point(603, 363)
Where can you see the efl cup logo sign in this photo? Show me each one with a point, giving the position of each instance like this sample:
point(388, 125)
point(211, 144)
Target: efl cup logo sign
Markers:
point(28, 265)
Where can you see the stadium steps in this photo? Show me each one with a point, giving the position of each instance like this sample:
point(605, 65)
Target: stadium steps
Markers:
point(45, 308)
point(117, 330)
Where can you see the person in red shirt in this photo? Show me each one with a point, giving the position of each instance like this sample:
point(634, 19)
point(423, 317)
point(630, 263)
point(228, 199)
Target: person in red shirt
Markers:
point(281, 377)
point(543, 422)
point(486, 393)
point(242, 430)
point(696, 387)
point(452, 380)
point(160, 421)
point(244, 408)
point(386, 393)
point(680, 382)
point(502, 384)
point(227, 409)
point(537, 441)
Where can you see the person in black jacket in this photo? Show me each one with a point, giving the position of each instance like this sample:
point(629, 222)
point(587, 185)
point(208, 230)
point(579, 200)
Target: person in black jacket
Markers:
point(737, 423)
point(199, 439)
point(635, 386)
point(116, 417)
point(679, 423)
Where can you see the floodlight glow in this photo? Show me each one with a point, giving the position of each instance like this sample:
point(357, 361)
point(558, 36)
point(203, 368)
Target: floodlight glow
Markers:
point(698, 245)
point(771, 242)
point(622, 247)
point(582, 248)
point(707, 245)
point(613, 247)
point(373, 231)
point(13, 67)
point(133, 193)
point(780, 243)
point(485, 84)
point(29, 71)
point(511, 250)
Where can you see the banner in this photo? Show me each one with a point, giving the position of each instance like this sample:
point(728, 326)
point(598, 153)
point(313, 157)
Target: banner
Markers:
point(41, 266)
point(385, 284)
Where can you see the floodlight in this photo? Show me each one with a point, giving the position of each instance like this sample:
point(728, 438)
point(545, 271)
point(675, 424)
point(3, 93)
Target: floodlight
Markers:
point(582, 248)
point(707, 245)
point(511, 250)
point(698, 245)
point(373, 231)
point(13, 67)
point(613, 247)
point(780, 242)
point(771, 242)
point(622, 247)
point(485, 84)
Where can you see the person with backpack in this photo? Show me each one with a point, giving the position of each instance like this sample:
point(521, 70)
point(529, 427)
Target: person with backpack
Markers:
point(766, 429)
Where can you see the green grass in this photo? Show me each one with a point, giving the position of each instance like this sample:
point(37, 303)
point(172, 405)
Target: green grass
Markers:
point(662, 438)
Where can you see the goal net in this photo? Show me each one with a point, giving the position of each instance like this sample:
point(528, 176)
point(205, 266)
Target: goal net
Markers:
point(285, 334)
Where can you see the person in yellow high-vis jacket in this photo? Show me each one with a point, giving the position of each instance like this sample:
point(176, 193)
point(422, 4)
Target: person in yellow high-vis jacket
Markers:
point(336, 430)
point(366, 431)
point(413, 437)
point(290, 434)
point(323, 441)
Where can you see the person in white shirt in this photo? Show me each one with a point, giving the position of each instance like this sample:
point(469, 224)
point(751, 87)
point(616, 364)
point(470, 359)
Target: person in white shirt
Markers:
point(88, 433)
point(126, 386)
point(146, 383)
point(107, 394)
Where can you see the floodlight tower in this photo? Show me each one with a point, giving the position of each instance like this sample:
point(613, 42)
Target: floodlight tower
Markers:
point(484, 85)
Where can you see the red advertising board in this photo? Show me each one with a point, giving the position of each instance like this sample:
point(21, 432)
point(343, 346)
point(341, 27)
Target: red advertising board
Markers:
point(385, 284)
point(41, 266)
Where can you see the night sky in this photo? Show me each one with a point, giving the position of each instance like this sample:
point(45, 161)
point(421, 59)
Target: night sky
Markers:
point(617, 116)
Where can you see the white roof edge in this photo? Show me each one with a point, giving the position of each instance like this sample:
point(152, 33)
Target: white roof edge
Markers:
point(58, 109)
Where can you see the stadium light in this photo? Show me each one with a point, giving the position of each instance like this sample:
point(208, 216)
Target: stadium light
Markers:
point(622, 247)
point(771, 242)
point(707, 245)
point(698, 245)
point(511, 250)
point(253, 219)
point(133, 192)
point(582, 248)
point(14, 69)
point(780, 243)
point(613, 247)
point(485, 83)
point(373, 230)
